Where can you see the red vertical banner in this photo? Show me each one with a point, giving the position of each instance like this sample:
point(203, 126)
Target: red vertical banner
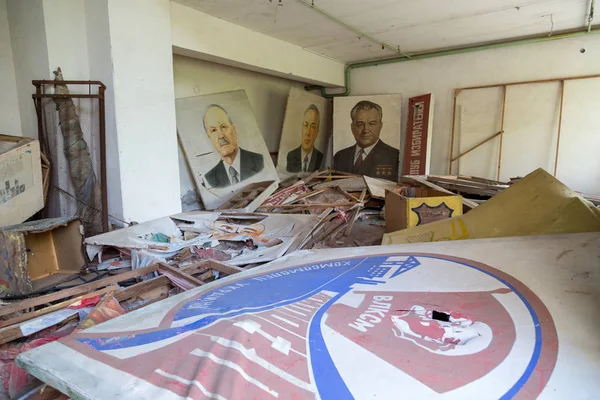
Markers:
point(418, 135)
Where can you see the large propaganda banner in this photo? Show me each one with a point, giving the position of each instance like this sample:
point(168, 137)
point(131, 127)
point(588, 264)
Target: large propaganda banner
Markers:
point(422, 324)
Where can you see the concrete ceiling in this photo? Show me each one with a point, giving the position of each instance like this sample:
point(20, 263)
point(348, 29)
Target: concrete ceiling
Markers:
point(412, 25)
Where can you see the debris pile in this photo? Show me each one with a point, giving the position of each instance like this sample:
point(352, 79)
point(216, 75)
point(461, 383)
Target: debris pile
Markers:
point(53, 288)
point(29, 322)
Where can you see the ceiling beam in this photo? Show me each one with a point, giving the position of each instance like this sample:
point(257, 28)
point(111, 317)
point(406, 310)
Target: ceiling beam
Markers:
point(346, 25)
point(199, 35)
point(590, 15)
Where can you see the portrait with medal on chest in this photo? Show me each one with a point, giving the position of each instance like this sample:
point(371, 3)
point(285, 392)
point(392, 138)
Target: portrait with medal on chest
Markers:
point(366, 135)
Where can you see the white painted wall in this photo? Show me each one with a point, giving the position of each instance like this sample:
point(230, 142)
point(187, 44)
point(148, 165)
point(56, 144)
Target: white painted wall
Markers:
point(127, 45)
point(442, 75)
point(142, 63)
point(66, 38)
point(267, 95)
point(66, 41)
point(30, 53)
point(200, 35)
point(10, 118)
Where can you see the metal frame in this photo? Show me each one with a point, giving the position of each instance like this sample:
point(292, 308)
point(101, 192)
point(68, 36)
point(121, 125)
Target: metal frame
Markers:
point(40, 93)
point(458, 91)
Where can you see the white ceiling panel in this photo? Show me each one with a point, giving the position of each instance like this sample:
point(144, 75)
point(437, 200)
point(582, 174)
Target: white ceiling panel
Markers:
point(414, 26)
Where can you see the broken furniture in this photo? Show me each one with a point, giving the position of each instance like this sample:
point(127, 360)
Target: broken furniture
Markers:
point(250, 197)
point(39, 251)
point(406, 207)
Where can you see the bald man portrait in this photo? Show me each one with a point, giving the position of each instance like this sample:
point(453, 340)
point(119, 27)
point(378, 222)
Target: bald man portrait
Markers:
point(306, 158)
point(236, 164)
point(369, 155)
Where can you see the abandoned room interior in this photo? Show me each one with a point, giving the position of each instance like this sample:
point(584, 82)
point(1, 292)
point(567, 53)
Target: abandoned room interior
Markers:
point(299, 199)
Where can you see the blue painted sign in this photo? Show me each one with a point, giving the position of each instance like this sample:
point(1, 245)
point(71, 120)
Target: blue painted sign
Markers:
point(422, 324)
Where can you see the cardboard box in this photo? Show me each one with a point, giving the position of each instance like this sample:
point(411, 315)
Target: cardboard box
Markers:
point(38, 250)
point(20, 179)
point(418, 206)
point(539, 204)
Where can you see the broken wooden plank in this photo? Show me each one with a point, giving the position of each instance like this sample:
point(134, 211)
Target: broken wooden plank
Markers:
point(328, 228)
point(139, 288)
point(377, 187)
point(251, 197)
point(304, 196)
point(207, 276)
point(177, 273)
point(192, 269)
point(354, 184)
point(355, 214)
point(14, 332)
point(225, 268)
point(313, 205)
point(151, 301)
point(47, 310)
point(78, 290)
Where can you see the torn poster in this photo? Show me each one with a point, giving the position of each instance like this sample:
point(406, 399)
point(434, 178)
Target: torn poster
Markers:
point(210, 228)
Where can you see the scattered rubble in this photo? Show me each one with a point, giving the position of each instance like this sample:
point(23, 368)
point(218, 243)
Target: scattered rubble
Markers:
point(133, 267)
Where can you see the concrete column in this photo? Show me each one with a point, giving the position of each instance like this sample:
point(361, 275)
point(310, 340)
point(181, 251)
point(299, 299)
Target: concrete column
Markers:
point(101, 69)
point(144, 107)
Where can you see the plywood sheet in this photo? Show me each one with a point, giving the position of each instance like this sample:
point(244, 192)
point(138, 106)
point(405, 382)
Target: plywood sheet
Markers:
point(578, 161)
point(478, 117)
point(471, 319)
point(530, 129)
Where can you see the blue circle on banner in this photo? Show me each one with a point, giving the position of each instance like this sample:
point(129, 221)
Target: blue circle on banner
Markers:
point(418, 317)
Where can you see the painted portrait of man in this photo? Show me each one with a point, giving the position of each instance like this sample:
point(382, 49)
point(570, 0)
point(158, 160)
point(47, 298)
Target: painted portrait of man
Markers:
point(306, 157)
point(369, 155)
point(236, 164)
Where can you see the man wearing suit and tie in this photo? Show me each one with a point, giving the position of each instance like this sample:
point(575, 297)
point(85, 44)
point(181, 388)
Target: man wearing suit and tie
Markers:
point(369, 155)
point(236, 163)
point(306, 158)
